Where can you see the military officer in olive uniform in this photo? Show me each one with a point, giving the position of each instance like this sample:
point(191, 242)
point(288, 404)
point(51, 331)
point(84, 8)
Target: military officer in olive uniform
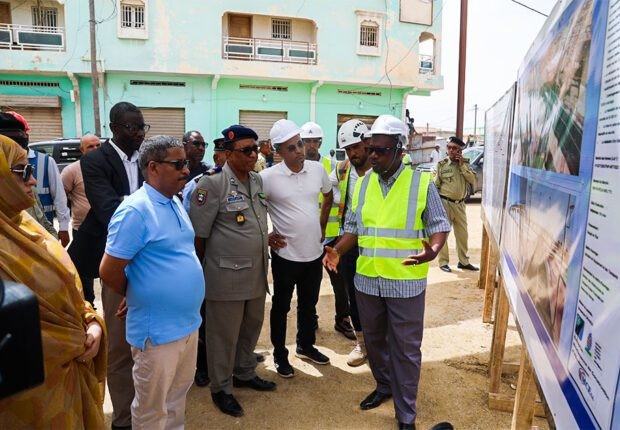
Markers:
point(451, 178)
point(229, 216)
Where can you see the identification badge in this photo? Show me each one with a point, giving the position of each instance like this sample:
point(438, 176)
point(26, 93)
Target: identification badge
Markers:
point(201, 196)
point(234, 199)
point(240, 218)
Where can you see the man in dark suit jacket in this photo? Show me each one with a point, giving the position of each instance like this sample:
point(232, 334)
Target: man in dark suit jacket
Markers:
point(111, 173)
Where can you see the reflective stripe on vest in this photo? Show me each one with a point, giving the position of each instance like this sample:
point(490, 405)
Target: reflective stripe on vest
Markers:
point(41, 173)
point(390, 229)
point(333, 223)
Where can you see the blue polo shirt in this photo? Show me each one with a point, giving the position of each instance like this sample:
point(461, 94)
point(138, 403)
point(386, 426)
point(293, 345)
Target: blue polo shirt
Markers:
point(165, 283)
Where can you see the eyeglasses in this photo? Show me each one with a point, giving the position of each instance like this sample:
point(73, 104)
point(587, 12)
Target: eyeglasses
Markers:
point(248, 150)
point(134, 128)
point(178, 164)
point(26, 172)
point(292, 147)
point(198, 144)
point(379, 150)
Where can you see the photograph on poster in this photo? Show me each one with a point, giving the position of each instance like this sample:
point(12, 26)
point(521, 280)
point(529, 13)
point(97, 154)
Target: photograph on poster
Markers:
point(536, 240)
point(551, 98)
point(497, 130)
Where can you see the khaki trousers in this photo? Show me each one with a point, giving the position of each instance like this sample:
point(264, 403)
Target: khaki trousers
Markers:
point(163, 375)
point(120, 382)
point(458, 221)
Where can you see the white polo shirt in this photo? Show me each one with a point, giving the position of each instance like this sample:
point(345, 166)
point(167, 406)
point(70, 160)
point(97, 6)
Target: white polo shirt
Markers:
point(293, 205)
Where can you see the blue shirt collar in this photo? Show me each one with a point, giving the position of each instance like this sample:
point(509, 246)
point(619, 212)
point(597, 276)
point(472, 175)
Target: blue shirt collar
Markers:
point(155, 195)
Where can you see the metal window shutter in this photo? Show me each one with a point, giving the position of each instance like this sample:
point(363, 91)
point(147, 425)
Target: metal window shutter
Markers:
point(45, 122)
point(260, 121)
point(167, 121)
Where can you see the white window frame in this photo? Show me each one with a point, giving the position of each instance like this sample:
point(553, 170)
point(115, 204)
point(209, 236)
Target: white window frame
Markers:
point(280, 27)
point(369, 33)
point(132, 32)
point(49, 14)
point(368, 18)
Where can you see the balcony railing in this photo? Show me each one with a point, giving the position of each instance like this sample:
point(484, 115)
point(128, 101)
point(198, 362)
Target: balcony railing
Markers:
point(286, 51)
point(426, 64)
point(30, 37)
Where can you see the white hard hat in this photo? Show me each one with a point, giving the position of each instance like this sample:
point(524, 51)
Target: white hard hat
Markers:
point(351, 132)
point(390, 125)
point(283, 130)
point(311, 130)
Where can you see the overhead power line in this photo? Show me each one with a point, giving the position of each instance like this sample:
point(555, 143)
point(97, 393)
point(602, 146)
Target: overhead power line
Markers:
point(530, 8)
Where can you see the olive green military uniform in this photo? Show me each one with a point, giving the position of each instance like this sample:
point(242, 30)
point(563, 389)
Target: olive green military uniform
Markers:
point(232, 217)
point(451, 181)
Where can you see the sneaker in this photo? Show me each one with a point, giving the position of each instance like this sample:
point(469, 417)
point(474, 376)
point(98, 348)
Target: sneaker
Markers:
point(284, 368)
point(312, 354)
point(344, 326)
point(357, 357)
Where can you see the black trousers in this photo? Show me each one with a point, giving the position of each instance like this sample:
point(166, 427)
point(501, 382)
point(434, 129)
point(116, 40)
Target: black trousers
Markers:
point(347, 266)
point(286, 275)
point(341, 296)
point(88, 284)
point(201, 359)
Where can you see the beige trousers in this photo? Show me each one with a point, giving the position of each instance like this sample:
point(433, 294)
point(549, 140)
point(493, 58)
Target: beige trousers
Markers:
point(458, 221)
point(162, 377)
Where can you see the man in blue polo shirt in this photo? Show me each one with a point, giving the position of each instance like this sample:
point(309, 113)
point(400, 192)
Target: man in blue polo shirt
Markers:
point(150, 259)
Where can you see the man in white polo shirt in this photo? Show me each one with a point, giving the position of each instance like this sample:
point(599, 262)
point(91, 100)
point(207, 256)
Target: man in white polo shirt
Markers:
point(292, 190)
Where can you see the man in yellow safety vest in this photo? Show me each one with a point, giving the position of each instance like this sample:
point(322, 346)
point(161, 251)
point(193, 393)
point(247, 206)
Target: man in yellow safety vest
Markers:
point(399, 224)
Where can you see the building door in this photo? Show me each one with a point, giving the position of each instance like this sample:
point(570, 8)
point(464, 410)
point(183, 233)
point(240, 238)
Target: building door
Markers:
point(45, 122)
point(259, 121)
point(5, 13)
point(240, 26)
point(167, 121)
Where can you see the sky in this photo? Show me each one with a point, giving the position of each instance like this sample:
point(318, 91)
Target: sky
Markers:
point(499, 34)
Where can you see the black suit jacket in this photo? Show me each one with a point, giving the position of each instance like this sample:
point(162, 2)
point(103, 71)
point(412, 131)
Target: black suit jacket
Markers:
point(106, 184)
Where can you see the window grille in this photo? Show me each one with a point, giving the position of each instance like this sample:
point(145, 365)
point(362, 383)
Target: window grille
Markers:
point(369, 35)
point(45, 17)
point(281, 28)
point(132, 16)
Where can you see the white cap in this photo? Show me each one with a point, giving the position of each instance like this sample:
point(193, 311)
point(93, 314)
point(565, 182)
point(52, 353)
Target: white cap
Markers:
point(351, 132)
point(388, 124)
point(283, 130)
point(311, 130)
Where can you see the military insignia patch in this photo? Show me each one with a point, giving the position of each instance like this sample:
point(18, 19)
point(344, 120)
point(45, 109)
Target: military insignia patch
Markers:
point(201, 196)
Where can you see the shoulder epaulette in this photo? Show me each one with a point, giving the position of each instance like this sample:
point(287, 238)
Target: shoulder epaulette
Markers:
point(213, 171)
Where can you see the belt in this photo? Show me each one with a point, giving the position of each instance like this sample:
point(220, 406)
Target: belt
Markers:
point(451, 200)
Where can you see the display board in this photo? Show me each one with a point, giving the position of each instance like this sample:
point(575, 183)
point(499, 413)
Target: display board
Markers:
point(498, 122)
point(559, 238)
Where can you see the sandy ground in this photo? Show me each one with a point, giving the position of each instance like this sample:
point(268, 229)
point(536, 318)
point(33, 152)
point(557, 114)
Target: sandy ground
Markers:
point(453, 386)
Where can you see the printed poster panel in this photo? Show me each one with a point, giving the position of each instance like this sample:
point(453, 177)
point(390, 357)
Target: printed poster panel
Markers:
point(497, 134)
point(560, 214)
point(594, 358)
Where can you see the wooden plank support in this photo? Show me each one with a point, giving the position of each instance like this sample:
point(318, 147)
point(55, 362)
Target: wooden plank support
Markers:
point(484, 256)
point(489, 285)
point(498, 346)
point(525, 397)
point(506, 403)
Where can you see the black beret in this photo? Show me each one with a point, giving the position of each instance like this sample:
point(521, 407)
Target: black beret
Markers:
point(237, 132)
point(456, 140)
point(218, 144)
point(9, 122)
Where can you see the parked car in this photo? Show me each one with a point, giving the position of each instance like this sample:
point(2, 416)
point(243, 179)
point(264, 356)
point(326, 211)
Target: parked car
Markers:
point(475, 155)
point(63, 150)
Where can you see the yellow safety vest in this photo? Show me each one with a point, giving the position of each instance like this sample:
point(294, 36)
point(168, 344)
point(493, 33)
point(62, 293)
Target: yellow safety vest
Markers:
point(390, 229)
point(333, 226)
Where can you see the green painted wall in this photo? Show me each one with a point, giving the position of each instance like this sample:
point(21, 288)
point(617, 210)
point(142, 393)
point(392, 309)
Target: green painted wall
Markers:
point(63, 91)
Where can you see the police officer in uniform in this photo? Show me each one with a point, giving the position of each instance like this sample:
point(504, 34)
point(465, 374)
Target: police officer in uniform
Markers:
point(229, 216)
point(451, 178)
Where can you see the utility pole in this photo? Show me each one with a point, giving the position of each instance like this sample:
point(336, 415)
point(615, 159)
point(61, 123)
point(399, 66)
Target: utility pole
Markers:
point(475, 122)
point(460, 103)
point(93, 67)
